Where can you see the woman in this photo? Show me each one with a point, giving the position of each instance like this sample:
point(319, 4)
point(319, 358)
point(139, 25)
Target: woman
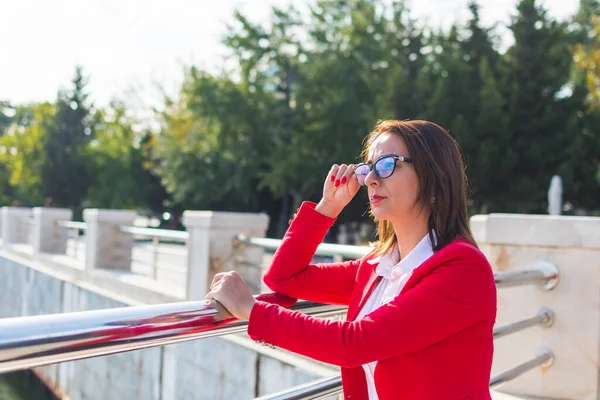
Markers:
point(421, 305)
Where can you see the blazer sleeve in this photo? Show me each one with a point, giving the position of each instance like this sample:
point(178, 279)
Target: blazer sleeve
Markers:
point(291, 272)
point(454, 296)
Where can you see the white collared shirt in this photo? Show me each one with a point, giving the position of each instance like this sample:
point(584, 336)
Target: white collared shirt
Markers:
point(395, 273)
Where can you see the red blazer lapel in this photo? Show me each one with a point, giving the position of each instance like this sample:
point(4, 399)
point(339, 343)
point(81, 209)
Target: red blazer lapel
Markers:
point(437, 259)
point(366, 290)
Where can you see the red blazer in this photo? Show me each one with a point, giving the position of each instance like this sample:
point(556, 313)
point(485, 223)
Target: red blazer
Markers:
point(434, 341)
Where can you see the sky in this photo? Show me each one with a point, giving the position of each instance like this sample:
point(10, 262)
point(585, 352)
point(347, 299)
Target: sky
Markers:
point(131, 48)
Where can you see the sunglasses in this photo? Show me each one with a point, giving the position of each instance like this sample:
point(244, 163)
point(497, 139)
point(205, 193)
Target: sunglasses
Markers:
point(384, 167)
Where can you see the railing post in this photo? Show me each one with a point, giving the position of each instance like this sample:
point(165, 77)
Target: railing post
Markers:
point(211, 248)
point(515, 243)
point(106, 246)
point(48, 236)
point(15, 228)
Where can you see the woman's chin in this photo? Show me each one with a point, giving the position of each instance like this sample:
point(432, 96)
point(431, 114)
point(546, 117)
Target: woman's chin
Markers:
point(379, 213)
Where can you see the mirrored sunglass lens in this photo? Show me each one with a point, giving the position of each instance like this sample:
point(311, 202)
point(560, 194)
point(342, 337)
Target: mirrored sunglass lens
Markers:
point(361, 173)
point(385, 167)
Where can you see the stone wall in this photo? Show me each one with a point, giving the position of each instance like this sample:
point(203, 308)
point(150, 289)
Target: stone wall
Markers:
point(211, 369)
point(515, 242)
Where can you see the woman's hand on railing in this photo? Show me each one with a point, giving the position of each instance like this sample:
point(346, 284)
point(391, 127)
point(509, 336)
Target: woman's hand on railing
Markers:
point(339, 189)
point(230, 290)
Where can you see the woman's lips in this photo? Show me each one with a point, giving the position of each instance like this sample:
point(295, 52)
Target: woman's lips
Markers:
point(376, 199)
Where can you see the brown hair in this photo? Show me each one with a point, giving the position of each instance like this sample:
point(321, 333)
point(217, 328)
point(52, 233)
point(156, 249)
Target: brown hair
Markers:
point(437, 160)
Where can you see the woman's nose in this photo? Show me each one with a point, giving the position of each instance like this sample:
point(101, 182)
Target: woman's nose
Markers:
point(371, 179)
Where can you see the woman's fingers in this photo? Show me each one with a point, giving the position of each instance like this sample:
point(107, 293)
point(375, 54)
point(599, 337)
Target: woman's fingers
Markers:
point(348, 173)
point(233, 293)
point(350, 179)
point(332, 174)
point(216, 279)
point(340, 178)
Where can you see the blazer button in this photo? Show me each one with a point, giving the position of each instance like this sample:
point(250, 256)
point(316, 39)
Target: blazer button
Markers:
point(290, 221)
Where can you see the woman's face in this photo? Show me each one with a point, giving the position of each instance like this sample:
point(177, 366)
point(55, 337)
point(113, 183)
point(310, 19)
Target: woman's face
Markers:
point(395, 197)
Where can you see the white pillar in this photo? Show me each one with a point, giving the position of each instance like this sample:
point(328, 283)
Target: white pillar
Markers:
point(106, 246)
point(572, 244)
point(48, 235)
point(211, 248)
point(15, 225)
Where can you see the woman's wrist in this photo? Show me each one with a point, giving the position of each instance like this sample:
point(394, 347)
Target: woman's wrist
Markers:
point(327, 209)
point(248, 310)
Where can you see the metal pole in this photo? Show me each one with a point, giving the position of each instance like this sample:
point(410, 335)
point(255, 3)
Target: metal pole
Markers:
point(543, 272)
point(76, 240)
point(545, 318)
point(544, 358)
point(27, 342)
point(323, 388)
point(319, 389)
point(155, 243)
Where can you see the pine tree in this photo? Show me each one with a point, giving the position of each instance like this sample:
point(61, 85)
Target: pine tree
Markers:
point(539, 63)
point(65, 176)
point(490, 158)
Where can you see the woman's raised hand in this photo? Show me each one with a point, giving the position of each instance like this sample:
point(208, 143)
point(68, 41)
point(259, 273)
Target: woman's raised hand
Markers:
point(339, 189)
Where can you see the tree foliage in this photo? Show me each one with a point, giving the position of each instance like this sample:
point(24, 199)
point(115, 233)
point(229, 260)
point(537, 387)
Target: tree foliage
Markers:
point(301, 91)
point(65, 173)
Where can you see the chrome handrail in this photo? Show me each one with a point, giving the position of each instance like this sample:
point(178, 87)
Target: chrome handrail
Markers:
point(544, 358)
point(324, 249)
point(315, 390)
point(73, 225)
point(322, 388)
point(33, 341)
point(544, 317)
point(543, 272)
point(157, 233)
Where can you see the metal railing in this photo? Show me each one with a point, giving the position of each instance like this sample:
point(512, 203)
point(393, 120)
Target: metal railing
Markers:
point(542, 271)
point(315, 390)
point(544, 359)
point(27, 342)
point(156, 235)
point(323, 388)
point(80, 226)
point(324, 249)
point(28, 223)
point(544, 318)
point(74, 228)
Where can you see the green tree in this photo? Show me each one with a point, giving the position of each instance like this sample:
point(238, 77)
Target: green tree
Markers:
point(481, 123)
point(490, 157)
point(22, 154)
point(209, 147)
point(540, 65)
point(407, 57)
point(119, 170)
point(6, 114)
point(584, 175)
point(336, 98)
point(6, 190)
point(65, 172)
point(269, 59)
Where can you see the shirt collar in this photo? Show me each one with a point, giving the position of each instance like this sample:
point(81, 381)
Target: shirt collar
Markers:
point(391, 267)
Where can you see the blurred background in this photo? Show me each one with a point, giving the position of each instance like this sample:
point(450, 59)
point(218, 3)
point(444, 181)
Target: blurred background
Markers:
point(164, 106)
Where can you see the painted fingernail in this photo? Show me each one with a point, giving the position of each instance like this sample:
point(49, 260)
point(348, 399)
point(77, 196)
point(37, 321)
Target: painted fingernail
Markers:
point(337, 182)
point(332, 178)
point(344, 180)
